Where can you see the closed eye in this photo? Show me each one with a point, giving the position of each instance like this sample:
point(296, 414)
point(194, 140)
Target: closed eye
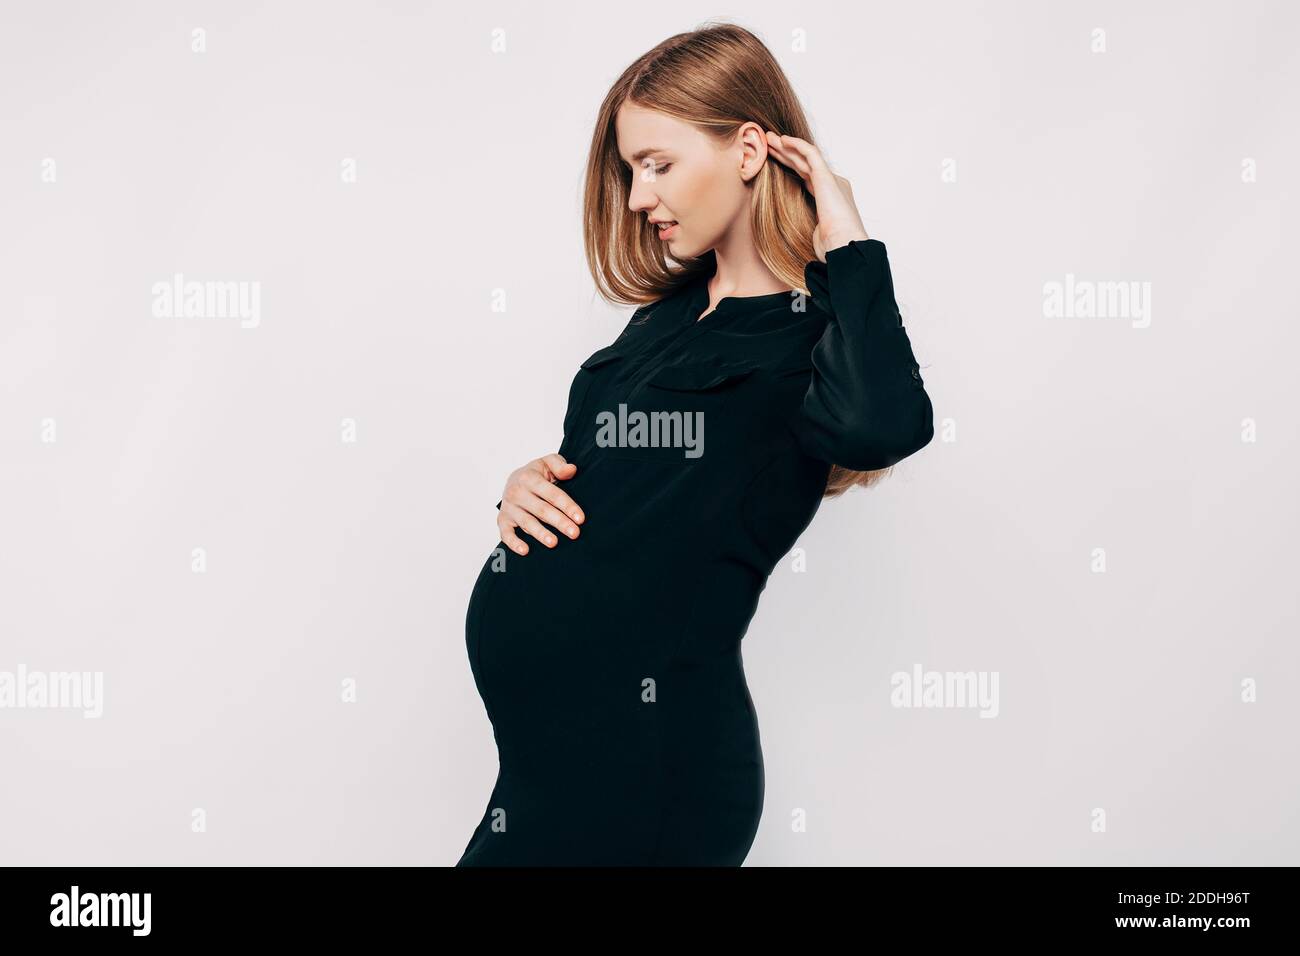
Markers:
point(659, 170)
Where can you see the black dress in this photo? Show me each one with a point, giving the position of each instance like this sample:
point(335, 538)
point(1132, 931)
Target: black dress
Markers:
point(610, 665)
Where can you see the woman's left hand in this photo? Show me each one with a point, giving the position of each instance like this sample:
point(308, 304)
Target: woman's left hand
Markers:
point(838, 222)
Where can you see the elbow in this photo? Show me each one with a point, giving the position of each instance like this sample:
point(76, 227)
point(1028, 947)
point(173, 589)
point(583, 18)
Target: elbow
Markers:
point(873, 444)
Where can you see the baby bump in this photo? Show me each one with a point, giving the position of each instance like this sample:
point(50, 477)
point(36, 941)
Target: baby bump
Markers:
point(562, 646)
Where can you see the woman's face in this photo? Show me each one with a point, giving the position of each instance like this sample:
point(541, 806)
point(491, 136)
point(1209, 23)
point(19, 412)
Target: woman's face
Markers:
point(679, 173)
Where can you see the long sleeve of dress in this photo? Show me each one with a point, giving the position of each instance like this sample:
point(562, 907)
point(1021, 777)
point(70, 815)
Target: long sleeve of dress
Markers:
point(866, 407)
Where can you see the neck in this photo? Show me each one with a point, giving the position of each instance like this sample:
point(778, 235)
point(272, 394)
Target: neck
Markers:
point(740, 271)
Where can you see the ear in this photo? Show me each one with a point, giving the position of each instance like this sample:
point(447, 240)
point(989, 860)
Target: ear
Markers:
point(753, 149)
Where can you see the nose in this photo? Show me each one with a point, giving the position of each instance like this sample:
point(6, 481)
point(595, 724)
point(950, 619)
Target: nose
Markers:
point(641, 197)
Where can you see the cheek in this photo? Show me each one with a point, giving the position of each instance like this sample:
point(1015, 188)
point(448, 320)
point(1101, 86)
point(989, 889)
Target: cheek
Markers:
point(695, 199)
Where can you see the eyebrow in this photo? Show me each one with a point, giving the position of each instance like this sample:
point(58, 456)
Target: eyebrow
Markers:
point(641, 154)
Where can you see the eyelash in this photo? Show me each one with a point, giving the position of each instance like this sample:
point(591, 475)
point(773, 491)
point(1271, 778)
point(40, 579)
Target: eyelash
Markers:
point(659, 171)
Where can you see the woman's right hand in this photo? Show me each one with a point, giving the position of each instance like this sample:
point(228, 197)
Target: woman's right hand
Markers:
point(531, 497)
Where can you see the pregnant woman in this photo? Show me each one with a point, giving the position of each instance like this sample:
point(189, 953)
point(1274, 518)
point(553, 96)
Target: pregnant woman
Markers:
point(765, 368)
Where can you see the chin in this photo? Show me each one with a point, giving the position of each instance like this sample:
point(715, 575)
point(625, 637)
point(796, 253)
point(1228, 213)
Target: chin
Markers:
point(680, 249)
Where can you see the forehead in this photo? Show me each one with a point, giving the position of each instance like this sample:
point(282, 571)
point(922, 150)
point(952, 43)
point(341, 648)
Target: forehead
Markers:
point(640, 130)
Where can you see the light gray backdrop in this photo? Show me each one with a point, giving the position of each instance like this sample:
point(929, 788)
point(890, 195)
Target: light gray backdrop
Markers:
point(240, 522)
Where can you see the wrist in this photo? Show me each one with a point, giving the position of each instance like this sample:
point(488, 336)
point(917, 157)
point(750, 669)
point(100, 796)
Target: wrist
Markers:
point(841, 239)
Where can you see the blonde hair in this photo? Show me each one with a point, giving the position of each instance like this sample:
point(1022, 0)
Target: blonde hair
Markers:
point(716, 78)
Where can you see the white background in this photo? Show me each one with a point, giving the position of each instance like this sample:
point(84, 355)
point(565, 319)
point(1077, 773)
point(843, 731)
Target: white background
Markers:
point(329, 561)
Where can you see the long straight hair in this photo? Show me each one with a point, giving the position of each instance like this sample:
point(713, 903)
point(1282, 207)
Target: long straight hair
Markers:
point(716, 78)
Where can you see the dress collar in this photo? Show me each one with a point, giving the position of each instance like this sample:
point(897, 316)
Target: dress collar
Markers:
point(696, 299)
